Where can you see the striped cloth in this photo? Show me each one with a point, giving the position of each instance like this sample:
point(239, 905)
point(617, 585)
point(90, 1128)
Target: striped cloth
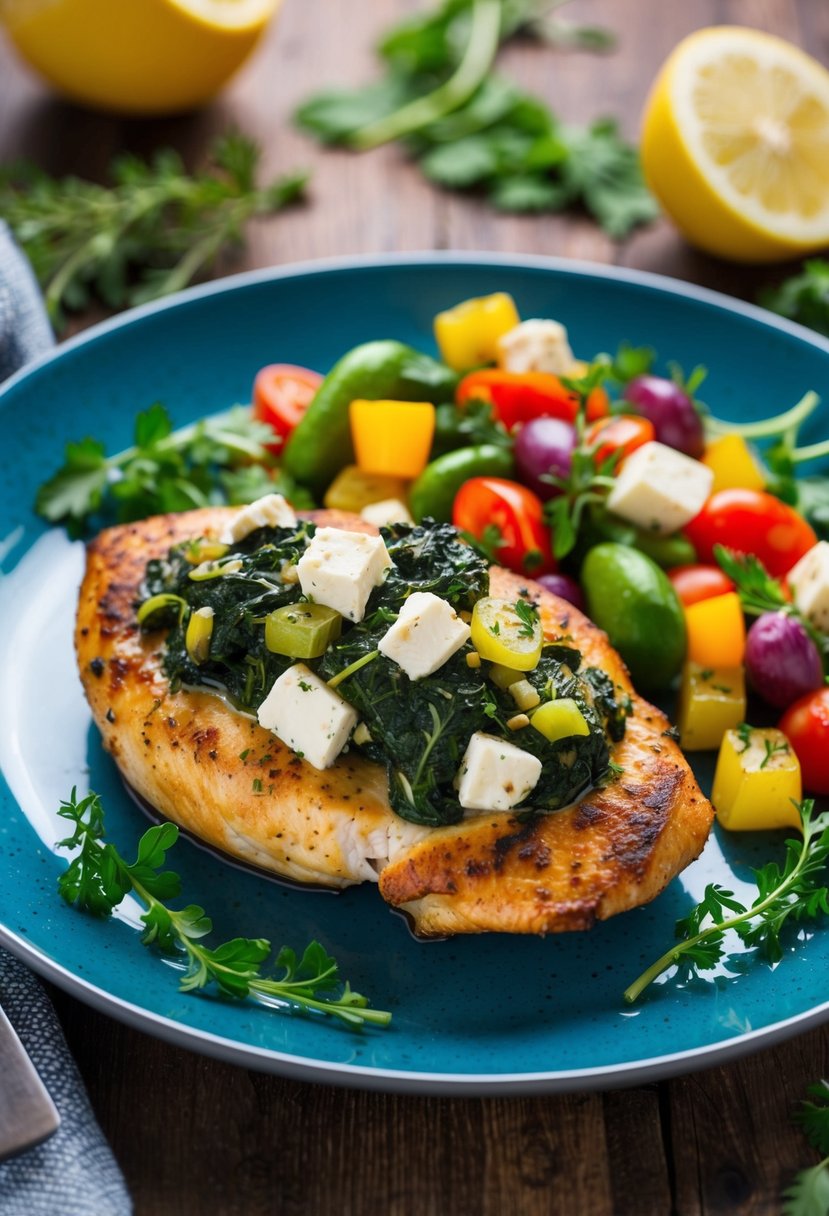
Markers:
point(74, 1172)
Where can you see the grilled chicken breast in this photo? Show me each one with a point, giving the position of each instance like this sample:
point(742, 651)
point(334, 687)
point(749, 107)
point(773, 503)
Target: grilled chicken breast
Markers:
point(221, 776)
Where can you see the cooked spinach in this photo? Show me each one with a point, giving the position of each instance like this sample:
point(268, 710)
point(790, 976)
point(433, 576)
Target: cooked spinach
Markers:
point(419, 729)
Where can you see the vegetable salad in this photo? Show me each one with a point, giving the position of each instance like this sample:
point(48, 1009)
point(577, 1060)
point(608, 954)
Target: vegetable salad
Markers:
point(615, 489)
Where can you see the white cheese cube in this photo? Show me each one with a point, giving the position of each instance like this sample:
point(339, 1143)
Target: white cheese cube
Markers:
point(341, 569)
point(660, 489)
point(388, 511)
point(495, 775)
point(427, 632)
point(809, 581)
point(271, 511)
point(536, 346)
point(310, 717)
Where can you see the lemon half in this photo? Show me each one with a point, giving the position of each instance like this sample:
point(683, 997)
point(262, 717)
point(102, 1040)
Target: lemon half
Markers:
point(137, 56)
point(735, 144)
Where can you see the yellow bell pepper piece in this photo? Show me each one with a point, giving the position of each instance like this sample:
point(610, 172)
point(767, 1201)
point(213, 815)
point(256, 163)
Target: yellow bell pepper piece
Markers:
point(716, 631)
point(466, 334)
point(758, 775)
point(505, 637)
point(711, 700)
point(560, 720)
point(733, 464)
point(392, 437)
point(353, 488)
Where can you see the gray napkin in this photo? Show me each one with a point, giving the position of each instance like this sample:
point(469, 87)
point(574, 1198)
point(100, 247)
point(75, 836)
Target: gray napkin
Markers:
point(74, 1172)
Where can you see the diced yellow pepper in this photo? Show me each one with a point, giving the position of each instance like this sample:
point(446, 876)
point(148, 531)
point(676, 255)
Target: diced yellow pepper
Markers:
point(560, 720)
point(353, 488)
point(711, 700)
point(757, 781)
point(716, 631)
point(466, 334)
point(392, 437)
point(733, 464)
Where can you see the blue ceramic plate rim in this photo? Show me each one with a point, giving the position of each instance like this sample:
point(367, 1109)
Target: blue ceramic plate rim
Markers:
point(305, 1067)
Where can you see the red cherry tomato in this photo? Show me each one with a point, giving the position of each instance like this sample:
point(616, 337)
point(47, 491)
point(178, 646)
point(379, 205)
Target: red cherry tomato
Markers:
point(695, 583)
point(806, 725)
point(509, 519)
point(281, 395)
point(623, 434)
point(517, 398)
point(751, 521)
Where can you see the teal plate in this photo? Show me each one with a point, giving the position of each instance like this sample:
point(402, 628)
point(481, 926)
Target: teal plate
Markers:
point(472, 1014)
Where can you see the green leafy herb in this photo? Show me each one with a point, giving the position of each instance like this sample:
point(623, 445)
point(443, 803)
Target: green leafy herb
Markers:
point(469, 129)
point(796, 892)
point(98, 878)
point(527, 613)
point(808, 1194)
point(220, 459)
point(744, 731)
point(772, 749)
point(150, 233)
point(804, 297)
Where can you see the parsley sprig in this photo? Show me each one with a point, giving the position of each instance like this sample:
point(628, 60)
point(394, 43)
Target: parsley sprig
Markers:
point(470, 129)
point(154, 230)
point(221, 459)
point(803, 297)
point(808, 1194)
point(98, 878)
point(794, 892)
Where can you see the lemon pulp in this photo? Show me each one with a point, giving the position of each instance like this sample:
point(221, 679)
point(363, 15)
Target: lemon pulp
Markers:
point(137, 56)
point(735, 144)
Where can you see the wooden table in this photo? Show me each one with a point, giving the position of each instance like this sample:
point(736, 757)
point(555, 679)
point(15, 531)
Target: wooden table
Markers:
point(197, 1136)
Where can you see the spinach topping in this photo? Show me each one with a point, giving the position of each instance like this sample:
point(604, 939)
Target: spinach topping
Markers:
point(418, 729)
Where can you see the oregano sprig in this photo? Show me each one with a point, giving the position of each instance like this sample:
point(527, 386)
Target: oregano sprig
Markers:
point(794, 892)
point(98, 878)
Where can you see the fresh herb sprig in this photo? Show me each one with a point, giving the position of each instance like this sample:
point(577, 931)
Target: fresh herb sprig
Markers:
point(222, 459)
point(469, 129)
point(153, 231)
point(808, 1194)
point(98, 878)
point(803, 297)
point(796, 892)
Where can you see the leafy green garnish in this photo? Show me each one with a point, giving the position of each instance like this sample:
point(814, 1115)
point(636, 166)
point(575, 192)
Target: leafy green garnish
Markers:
point(222, 459)
point(803, 297)
point(796, 892)
point(150, 233)
point(469, 129)
point(808, 1195)
point(98, 878)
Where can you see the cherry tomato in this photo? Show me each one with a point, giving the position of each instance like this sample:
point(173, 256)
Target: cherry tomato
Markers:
point(806, 725)
point(695, 583)
point(509, 519)
point(623, 434)
point(751, 521)
point(281, 395)
point(518, 398)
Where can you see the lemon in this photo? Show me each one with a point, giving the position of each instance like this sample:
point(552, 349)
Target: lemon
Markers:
point(735, 144)
point(137, 56)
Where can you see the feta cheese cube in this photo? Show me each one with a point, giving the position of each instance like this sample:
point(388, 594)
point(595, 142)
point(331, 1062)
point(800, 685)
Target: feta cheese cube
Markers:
point(495, 775)
point(427, 632)
point(809, 581)
point(271, 511)
point(310, 717)
point(388, 511)
point(536, 346)
point(660, 489)
point(341, 569)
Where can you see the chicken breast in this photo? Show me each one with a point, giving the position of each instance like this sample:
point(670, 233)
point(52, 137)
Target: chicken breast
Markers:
point(233, 784)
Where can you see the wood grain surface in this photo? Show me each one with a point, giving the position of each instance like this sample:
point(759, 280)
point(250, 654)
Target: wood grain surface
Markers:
point(194, 1135)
